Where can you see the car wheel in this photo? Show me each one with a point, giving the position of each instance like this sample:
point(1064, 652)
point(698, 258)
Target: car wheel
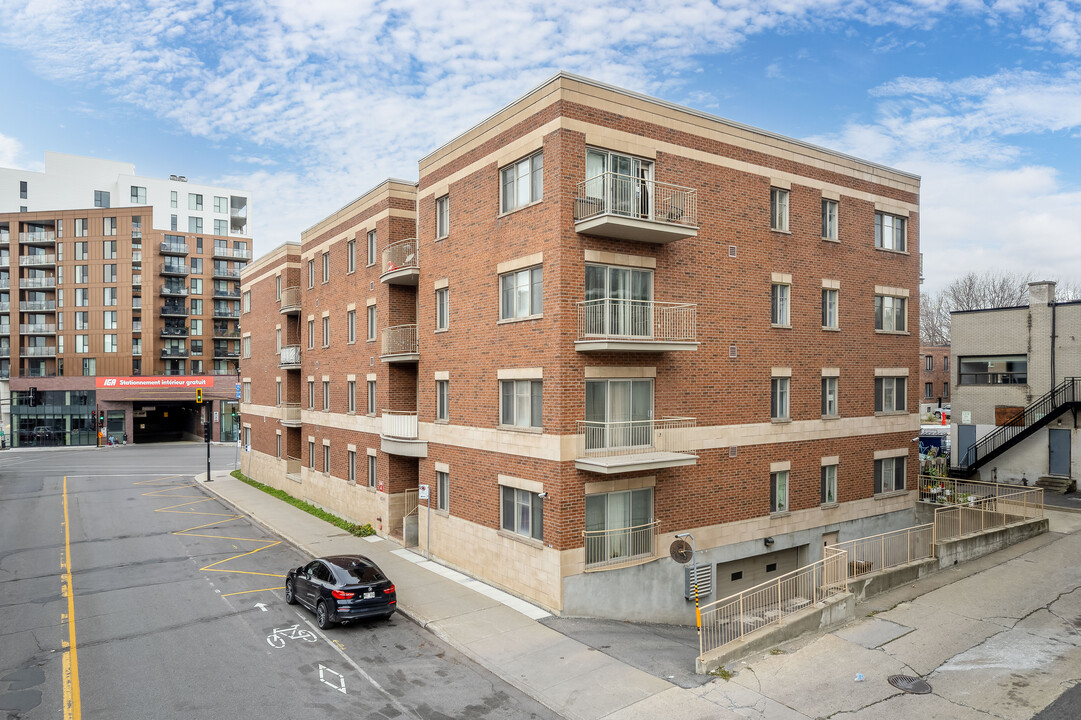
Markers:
point(290, 593)
point(322, 616)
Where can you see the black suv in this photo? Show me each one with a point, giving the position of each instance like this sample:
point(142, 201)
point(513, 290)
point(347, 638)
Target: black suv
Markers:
point(341, 588)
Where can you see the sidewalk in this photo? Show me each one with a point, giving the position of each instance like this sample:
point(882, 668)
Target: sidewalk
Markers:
point(958, 624)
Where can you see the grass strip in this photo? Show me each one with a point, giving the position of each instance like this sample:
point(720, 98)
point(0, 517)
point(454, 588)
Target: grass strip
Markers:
point(352, 528)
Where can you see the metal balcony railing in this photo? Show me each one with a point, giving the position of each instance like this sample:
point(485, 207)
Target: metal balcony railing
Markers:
point(400, 256)
point(36, 260)
point(629, 196)
point(168, 352)
point(639, 320)
point(174, 332)
point(619, 547)
point(174, 248)
point(37, 328)
point(290, 356)
point(37, 237)
point(37, 305)
point(37, 283)
point(174, 290)
point(400, 340)
point(175, 310)
point(225, 332)
point(225, 312)
point(613, 439)
point(401, 424)
point(290, 301)
point(37, 351)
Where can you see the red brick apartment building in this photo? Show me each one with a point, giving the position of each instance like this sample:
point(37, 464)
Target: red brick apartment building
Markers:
point(934, 376)
point(599, 320)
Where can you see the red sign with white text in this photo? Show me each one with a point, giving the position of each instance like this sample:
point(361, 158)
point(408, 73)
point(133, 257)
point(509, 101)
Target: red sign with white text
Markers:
point(159, 381)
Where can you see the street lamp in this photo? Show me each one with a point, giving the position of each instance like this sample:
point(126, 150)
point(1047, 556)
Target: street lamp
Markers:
point(236, 426)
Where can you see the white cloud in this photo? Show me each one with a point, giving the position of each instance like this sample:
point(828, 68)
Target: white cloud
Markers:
point(10, 151)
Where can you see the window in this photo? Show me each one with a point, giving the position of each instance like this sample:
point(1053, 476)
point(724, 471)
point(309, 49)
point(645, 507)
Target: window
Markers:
point(829, 484)
point(890, 313)
point(829, 308)
point(442, 217)
point(928, 390)
point(195, 201)
point(311, 394)
point(90, 366)
point(371, 248)
point(351, 396)
point(81, 227)
point(108, 226)
point(221, 227)
point(82, 320)
point(82, 343)
point(311, 274)
point(110, 343)
point(279, 444)
point(890, 394)
point(82, 250)
point(246, 343)
point(946, 363)
point(523, 512)
point(82, 297)
point(247, 301)
point(196, 307)
point(196, 349)
point(520, 403)
point(108, 249)
point(778, 209)
point(22, 189)
point(311, 454)
point(326, 267)
point(277, 287)
point(195, 224)
point(945, 389)
point(110, 296)
point(351, 256)
point(442, 400)
point(196, 327)
point(371, 397)
point(173, 223)
point(618, 301)
point(352, 456)
point(778, 491)
point(929, 363)
point(619, 413)
point(221, 205)
point(247, 391)
point(351, 326)
point(522, 183)
point(442, 311)
point(371, 471)
point(829, 219)
point(101, 199)
point(197, 265)
point(890, 232)
point(109, 319)
point(371, 322)
point(829, 396)
point(278, 392)
point(778, 305)
point(326, 396)
point(629, 511)
point(778, 405)
point(442, 490)
point(311, 334)
point(889, 475)
point(82, 274)
point(172, 200)
point(521, 294)
point(109, 272)
point(993, 370)
point(326, 332)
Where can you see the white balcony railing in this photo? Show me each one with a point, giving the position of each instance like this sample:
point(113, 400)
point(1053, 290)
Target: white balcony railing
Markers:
point(33, 260)
point(38, 351)
point(291, 414)
point(619, 547)
point(37, 282)
point(400, 340)
point(639, 320)
point(290, 356)
point(612, 439)
point(629, 196)
point(400, 256)
point(400, 424)
point(37, 328)
point(290, 299)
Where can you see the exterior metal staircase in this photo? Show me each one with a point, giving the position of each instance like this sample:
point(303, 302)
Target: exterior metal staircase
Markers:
point(1065, 396)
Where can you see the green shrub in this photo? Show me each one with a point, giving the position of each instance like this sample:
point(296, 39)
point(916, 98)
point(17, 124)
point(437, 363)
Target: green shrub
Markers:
point(352, 528)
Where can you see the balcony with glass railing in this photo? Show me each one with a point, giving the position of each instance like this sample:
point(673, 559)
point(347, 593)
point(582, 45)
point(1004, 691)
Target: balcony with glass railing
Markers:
point(225, 353)
point(174, 331)
point(225, 294)
point(290, 300)
point(290, 357)
point(225, 273)
point(37, 283)
point(37, 305)
point(636, 326)
point(635, 445)
point(223, 251)
point(37, 238)
point(400, 265)
point(174, 290)
point(5, 282)
point(173, 269)
point(625, 207)
point(225, 311)
point(399, 434)
point(174, 311)
point(37, 328)
point(37, 260)
point(400, 344)
point(37, 351)
point(174, 248)
point(221, 331)
point(174, 352)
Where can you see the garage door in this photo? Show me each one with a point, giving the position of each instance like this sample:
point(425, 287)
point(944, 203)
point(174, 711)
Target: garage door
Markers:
point(739, 575)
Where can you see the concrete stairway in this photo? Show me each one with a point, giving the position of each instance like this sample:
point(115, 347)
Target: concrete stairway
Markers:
point(1057, 484)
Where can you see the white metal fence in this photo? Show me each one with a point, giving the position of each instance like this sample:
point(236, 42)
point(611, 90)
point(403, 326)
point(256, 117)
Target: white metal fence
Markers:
point(889, 550)
point(400, 340)
point(640, 320)
point(400, 255)
point(606, 439)
point(400, 424)
point(991, 513)
point(612, 193)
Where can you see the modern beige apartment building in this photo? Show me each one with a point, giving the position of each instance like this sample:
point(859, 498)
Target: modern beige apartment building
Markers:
point(599, 320)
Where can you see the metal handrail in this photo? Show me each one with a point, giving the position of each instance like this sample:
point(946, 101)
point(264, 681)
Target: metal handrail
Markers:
point(399, 340)
point(639, 320)
point(619, 546)
point(399, 424)
point(614, 439)
point(889, 550)
point(615, 194)
point(956, 521)
point(290, 297)
point(400, 256)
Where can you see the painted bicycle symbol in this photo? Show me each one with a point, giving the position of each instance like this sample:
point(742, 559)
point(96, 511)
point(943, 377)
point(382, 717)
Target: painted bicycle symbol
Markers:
point(277, 638)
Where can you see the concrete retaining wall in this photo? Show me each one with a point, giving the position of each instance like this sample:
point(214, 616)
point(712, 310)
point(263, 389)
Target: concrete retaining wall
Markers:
point(970, 548)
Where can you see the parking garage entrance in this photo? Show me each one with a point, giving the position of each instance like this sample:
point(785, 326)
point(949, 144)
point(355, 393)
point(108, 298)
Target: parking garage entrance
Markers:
point(165, 421)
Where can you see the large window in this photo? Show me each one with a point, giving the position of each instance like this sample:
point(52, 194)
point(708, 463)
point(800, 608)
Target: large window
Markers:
point(619, 184)
point(829, 219)
point(619, 413)
point(829, 397)
point(520, 403)
point(890, 313)
point(993, 370)
point(619, 525)
point(829, 308)
point(522, 512)
point(442, 217)
point(778, 403)
point(778, 209)
point(829, 484)
point(522, 183)
point(778, 491)
point(890, 232)
point(618, 301)
point(779, 305)
point(890, 394)
point(889, 474)
point(521, 294)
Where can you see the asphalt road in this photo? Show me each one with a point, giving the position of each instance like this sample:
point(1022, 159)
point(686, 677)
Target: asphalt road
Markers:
point(178, 609)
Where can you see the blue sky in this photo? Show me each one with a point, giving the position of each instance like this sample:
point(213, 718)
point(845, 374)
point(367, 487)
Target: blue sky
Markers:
point(309, 104)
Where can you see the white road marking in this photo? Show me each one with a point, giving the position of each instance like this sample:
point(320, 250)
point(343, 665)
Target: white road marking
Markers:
point(326, 675)
point(261, 606)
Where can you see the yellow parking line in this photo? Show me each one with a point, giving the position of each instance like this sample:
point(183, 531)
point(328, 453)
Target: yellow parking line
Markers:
point(70, 664)
point(245, 592)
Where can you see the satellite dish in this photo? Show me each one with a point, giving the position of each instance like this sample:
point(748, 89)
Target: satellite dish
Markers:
point(680, 551)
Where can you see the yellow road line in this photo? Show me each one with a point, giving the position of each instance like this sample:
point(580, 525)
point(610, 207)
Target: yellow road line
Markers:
point(245, 592)
point(70, 664)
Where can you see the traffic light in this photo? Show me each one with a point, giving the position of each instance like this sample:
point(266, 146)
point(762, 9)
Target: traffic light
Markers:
point(101, 419)
point(198, 395)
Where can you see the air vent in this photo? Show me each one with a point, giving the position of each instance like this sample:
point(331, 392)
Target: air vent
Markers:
point(705, 581)
point(371, 285)
point(733, 451)
point(731, 251)
point(173, 177)
point(733, 351)
point(371, 361)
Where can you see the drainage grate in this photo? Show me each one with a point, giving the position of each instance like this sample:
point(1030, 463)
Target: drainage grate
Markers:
point(909, 684)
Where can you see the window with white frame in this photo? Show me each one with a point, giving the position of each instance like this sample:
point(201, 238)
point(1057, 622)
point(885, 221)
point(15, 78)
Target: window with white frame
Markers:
point(326, 267)
point(247, 301)
point(278, 287)
point(618, 525)
point(778, 404)
point(108, 226)
point(521, 293)
point(619, 413)
point(520, 403)
point(778, 209)
point(890, 232)
point(829, 484)
point(829, 219)
point(371, 247)
point(442, 490)
point(442, 217)
point(778, 491)
point(110, 343)
point(351, 326)
point(442, 308)
point(442, 400)
point(889, 474)
point(522, 512)
point(81, 230)
point(352, 459)
point(311, 334)
point(326, 331)
point(778, 305)
point(246, 345)
point(618, 301)
point(195, 201)
point(522, 183)
point(371, 398)
point(891, 313)
point(246, 391)
point(311, 274)
point(929, 363)
point(138, 195)
point(830, 298)
point(311, 394)
point(326, 396)
point(890, 394)
point(351, 256)
point(371, 471)
point(351, 396)
point(371, 322)
point(829, 397)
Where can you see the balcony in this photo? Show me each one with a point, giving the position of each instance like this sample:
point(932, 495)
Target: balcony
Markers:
point(37, 351)
point(37, 305)
point(174, 332)
point(624, 207)
point(619, 547)
point(398, 435)
point(136, 257)
point(221, 251)
point(224, 332)
point(37, 283)
point(169, 248)
point(225, 273)
point(5, 307)
point(5, 329)
point(633, 446)
point(136, 326)
point(221, 353)
point(290, 415)
point(226, 294)
point(225, 312)
point(400, 265)
point(400, 344)
point(636, 326)
point(5, 238)
point(37, 260)
point(5, 351)
point(37, 238)
point(174, 311)
point(37, 328)
point(137, 283)
point(137, 304)
point(5, 283)
point(173, 269)
point(293, 468)
point(169, 290)
point(290, 357)
point(174, 352)
point(290, 301)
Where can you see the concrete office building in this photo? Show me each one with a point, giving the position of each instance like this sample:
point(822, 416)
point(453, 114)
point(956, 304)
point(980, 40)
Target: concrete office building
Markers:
point(598, 320)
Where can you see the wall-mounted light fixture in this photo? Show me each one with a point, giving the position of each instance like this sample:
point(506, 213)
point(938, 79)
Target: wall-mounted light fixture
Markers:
point(769, 542)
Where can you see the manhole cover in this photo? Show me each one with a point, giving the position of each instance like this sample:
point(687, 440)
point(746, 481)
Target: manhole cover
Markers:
point(909, 684)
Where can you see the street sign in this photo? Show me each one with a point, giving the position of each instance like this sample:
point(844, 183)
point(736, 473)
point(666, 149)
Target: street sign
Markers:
point(238, 392)
point(215, 416)
point(423, 492)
